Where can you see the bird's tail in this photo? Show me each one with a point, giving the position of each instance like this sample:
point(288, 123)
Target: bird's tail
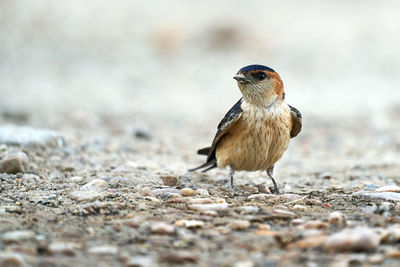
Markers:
point(210, 164)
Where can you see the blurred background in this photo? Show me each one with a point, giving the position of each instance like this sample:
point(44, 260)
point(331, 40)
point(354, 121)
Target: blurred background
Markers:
point(171, 63)
point(177, 58)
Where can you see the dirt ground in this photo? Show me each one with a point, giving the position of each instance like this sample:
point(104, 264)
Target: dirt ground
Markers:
point(101, 117)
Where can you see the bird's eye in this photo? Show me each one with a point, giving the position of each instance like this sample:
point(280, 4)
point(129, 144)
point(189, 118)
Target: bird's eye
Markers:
point(261, 76)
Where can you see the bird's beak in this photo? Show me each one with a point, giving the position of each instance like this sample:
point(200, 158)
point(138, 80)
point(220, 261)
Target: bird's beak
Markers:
point(240, 78)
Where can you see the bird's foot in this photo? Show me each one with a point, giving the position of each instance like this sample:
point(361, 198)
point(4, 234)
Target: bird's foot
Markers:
point(274, 189)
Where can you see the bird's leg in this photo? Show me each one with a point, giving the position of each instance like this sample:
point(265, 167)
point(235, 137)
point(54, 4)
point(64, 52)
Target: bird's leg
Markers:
point(270, 171)
point(231, 173)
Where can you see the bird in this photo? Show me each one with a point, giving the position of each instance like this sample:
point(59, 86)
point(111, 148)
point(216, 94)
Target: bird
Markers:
point(256, 131)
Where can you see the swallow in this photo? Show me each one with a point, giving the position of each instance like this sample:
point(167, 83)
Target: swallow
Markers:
point(256, 131)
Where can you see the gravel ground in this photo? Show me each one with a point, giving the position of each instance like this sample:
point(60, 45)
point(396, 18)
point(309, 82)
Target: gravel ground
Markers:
point(101, 116)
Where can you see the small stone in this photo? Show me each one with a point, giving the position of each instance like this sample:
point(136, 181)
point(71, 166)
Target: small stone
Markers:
point(264, 227)
point(389, 188)
point(11, 259)
point(208, 207)
point(22, 135)
point(180, 257)
point(145, 191)
point(186, 192)
point(239, 225)
point(202, 192)
point(358, 239)
point(376, 259)
point(289, 197)
point(84, 195)
point(165, 192)
point(193, 224)
point(105, 250)
point(393, 253)
point(315, 224)
point(308, 242)
point(262, 197)
point(152, 199)
point(18, 236)
point(298, 207)
point(95, 185)
point(325, 175)
point(170, 180)
point(77, 179)
point(140, 261)
point(248, 209)
point(162, 228)
point(127, 167)
point(280, 213)
point(62, 248)
point(247, 263)
point(391, 234)
point(142, 132)
point(211, 213)
point(390, 196)
point(371, 187)
point(337, 217)
point(201, 201)
point(14, 163)
point(296, 222)
point(263, 188)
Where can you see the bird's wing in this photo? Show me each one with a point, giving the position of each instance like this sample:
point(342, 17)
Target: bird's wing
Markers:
point(223, 127)
point(296, 121)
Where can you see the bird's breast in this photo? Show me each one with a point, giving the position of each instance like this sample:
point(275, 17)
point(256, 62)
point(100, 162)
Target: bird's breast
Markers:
point(257, 140)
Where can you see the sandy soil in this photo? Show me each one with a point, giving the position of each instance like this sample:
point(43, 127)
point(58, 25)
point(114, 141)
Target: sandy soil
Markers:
point(131, 92)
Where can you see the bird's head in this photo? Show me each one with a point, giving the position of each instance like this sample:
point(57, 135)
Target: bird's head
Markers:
point(260, 85)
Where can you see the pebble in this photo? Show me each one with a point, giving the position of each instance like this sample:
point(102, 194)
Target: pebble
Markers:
point(105, 250)
point(393, 253)
point(62, 248)
point(337, 217)
point(22, 135)
point(96, 185)
point(11, 259)
point(189, 223)
point(262, 197)
point(263, 188)
point(165, 192)
point(248, 209)
point(127, 167)
point(202, 192)
point(280, 213)
point(389, 188)
point(140, 261)
point(391, 196)
point(357, 239)
point(208, 207)
point(162, 228)
point(170, 180)
point(84, 195)
point(246, 263)
point(17, 236)
point(145, 191)
point(308, 242)
point(180, 257)
point(391, 234)
point(325, 175)
point(239, 225)
point(289, 197)
point(264, 227)
point(200, 201)
point(14, 163)
point(211, 213)
point(315, 224)
point(298, 207)
point(376, 259)
point(296, 222)
point(187, 192)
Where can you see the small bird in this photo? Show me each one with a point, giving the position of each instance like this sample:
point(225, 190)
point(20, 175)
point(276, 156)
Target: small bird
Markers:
point(256, 131)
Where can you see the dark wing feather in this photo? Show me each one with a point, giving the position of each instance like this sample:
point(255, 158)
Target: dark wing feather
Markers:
point(230, 118)
point(296, 119)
